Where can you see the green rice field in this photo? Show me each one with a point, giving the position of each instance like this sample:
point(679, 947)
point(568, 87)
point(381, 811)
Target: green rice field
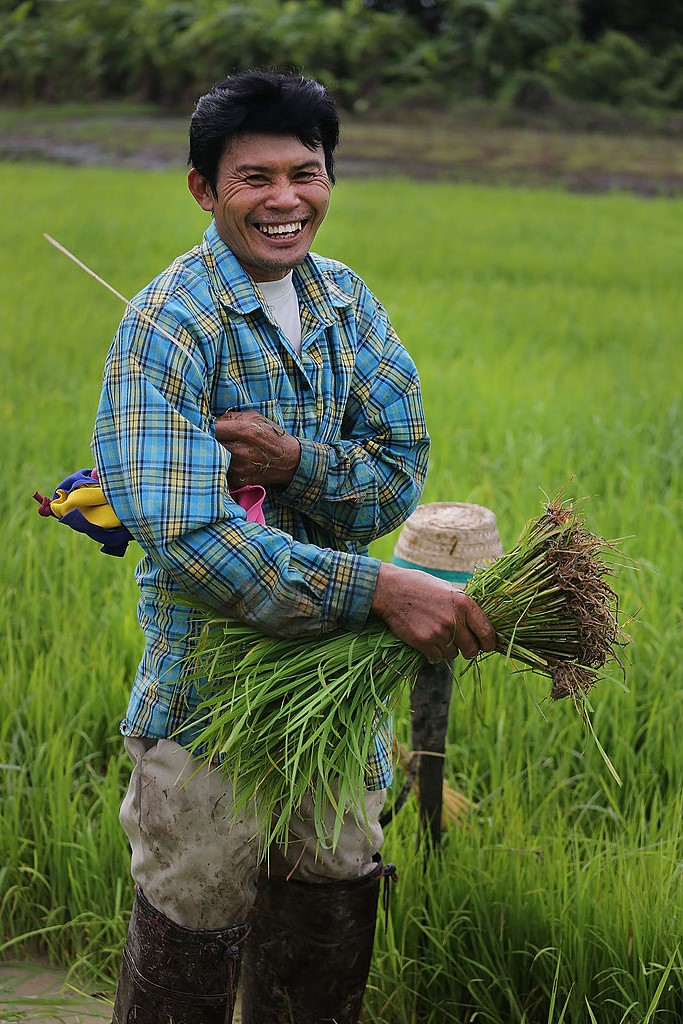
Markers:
point(547, 329)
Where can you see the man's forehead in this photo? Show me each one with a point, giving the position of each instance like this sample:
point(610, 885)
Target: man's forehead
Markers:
point(264, 149)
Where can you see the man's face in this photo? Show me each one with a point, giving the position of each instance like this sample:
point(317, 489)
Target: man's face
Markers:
point(272, 196)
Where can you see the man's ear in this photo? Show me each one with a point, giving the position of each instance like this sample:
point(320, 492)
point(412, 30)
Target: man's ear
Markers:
point(201, 190)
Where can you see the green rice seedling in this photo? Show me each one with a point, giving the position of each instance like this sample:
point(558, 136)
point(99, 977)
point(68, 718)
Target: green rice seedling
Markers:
point(287, 718)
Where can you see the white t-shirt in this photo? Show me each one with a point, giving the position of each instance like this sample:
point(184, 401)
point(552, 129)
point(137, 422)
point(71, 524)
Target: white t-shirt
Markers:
point(282, 301)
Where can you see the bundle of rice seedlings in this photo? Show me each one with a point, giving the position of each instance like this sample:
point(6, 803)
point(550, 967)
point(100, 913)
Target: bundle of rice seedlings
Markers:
point(291, 718)
point(286, 719)
point(551, 603)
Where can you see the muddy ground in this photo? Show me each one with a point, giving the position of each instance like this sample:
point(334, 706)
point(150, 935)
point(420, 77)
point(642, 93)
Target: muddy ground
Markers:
point(587, 153)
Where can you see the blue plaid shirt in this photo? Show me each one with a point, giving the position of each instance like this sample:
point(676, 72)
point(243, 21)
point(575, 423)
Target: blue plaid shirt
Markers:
point(352, 398)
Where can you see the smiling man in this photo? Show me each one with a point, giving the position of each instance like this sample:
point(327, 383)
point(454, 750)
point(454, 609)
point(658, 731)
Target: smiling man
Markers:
point(258, 363)
point(269, 197)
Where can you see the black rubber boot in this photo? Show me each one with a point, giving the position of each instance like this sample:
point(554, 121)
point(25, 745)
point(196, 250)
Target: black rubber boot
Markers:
point(175, 975)
point(307, 954)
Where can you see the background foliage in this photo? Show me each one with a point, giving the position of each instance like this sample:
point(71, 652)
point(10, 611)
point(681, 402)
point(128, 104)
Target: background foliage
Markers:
point(369, 52)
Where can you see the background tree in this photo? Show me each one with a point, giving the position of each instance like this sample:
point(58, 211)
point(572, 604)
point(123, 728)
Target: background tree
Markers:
point(368, 52)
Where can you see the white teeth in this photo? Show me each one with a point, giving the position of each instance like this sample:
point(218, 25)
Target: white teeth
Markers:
point(280, 229)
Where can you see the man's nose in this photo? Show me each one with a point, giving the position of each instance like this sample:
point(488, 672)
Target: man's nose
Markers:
point(283, 194)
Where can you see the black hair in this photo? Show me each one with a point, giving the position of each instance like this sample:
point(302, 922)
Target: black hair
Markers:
point(268, 102)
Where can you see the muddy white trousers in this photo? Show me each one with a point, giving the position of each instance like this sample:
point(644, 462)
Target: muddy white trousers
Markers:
point(199, 864)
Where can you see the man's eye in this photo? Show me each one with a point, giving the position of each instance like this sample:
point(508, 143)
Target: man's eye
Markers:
point(304, 176)
point(257, 179)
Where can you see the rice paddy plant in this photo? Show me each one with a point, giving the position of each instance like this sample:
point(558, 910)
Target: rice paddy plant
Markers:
point(545, 327)
point(509, 915)
point(286, 718)
point(68, 649)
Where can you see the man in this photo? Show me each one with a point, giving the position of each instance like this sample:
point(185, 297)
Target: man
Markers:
point(255, 362)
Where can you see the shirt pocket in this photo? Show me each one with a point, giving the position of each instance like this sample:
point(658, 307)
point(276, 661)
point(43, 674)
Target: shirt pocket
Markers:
point(236, 399)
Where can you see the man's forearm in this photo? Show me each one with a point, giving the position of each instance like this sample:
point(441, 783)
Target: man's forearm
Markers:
point(355, 493)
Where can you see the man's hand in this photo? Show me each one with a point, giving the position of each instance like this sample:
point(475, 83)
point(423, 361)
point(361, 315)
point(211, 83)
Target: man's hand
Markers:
point(261, 452)
point(431, 615)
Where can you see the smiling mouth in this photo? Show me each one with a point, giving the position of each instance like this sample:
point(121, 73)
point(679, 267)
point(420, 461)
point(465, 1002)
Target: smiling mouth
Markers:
point(284, 231)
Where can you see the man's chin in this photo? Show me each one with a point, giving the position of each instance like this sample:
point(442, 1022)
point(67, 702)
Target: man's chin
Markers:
point(283, 265)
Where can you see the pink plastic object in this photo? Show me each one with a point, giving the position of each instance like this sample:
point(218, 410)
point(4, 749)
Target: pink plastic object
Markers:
point(251, 498)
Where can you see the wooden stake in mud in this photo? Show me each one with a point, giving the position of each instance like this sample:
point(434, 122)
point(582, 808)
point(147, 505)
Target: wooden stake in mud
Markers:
point(430, 703)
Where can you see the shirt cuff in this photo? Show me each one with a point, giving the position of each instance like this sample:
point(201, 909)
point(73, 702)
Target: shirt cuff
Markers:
point(308, 482)
point(351, 590)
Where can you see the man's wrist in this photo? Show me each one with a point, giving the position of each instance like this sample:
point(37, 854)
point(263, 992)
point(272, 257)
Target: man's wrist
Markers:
point(286, 468)
point(382, 589)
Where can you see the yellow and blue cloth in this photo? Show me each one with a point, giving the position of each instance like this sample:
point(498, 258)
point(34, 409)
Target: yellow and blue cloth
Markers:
point(79, 502)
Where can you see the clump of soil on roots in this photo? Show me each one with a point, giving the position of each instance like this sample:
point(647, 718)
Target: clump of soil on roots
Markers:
point(551, 602)
point(591, 603)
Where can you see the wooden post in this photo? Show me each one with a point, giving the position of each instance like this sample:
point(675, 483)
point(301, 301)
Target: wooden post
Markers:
point(446, 539)
point(430, 703)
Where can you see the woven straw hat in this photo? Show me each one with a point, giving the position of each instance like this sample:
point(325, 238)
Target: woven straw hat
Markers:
point(448, 539)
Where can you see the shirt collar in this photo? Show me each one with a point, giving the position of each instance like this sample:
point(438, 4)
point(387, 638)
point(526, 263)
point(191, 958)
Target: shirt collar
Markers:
point(318, 291)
